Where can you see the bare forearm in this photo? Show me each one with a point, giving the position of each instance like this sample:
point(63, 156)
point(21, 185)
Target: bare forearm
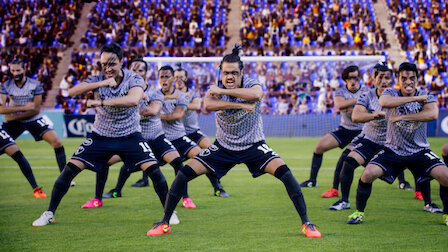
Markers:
point(21, 116)
point(362, 117)
point(215, 105)
point(171, 117)
point(388, 101)
point(123, 102)
point(247, 94)
point(84, 87)
point(423, 116)
point(341, 103)
point(149, 111)
point(10, 110)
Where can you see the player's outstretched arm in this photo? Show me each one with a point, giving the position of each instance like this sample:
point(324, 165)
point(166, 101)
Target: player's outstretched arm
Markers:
point(132, 99)
point(254, 93)
point(34, 109)
point(361, 114)
point(178, 114)
point(388, 101)
point(429, 113)
point(152, 110)
point(212, 103)
point(86, 87)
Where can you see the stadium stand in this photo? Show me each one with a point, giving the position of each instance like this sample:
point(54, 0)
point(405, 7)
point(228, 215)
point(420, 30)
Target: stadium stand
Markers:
point(310, 24)
point(155, 23)
point(38, 23)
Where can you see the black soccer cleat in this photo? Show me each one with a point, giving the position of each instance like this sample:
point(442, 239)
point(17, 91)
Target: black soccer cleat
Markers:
point(140, 183)
point(112, 194)
point(309, 183)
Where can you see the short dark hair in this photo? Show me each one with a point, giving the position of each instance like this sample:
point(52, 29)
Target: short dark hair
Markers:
point(113, 48)
point(382, 68)
point(407, 66)
point(167, 67)
point(179, 68)
point(349, 69)
point(17, 61)
point(139, 60)
point(233, 57)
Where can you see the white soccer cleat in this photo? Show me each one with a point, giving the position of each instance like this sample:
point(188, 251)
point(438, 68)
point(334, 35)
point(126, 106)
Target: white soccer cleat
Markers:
point(46, 218)
point(340, 205)
point(174, 220)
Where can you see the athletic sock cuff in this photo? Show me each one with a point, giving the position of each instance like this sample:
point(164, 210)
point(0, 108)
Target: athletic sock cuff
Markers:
point(17, 156)
point(281, 171)
point(188, 172)
point(73, 167)
point(152, 168)
point(364, 185)
point(351, 161)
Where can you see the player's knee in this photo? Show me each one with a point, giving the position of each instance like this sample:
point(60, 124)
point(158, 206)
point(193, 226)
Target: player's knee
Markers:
point(369, 175)
point(56, 143)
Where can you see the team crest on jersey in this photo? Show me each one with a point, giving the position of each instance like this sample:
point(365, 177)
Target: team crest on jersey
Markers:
point(204, 153)
point(79, 150)
point(87, 142)
point(213, 147)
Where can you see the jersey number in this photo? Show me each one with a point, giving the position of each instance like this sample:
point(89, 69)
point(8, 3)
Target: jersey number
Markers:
point(4, 135)
point(42, 122)
point(431, 155)
point(265, 149)
point(145, 147)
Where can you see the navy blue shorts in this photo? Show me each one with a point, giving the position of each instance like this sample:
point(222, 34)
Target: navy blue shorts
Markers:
point(196, 136)
point(357, 139)
point(219, 160)
point(5, 141)
point(160, 147)
point(344, 136)
point(37, 128)
point(420, 164)
point(183, 145)
point(367, 149)
point(96, 150)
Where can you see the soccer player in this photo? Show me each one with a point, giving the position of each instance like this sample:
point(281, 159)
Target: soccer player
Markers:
point(407, 111)
point(345, 99)
point(173, 111)
point(368, 111)
point(239, 139)
point(116, 130)
point(22, 90)
point(192, 125)
point(152, 131)
point(8, 146)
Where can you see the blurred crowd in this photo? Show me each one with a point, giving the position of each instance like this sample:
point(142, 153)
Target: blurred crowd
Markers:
point(38, 23)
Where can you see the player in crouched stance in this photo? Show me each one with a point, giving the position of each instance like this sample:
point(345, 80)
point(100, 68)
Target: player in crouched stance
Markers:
point(407, 111)
point(239, 139)
point(116, 130)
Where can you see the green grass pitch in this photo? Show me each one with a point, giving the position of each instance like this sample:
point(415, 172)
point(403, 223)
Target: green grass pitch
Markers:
point(258, 216)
